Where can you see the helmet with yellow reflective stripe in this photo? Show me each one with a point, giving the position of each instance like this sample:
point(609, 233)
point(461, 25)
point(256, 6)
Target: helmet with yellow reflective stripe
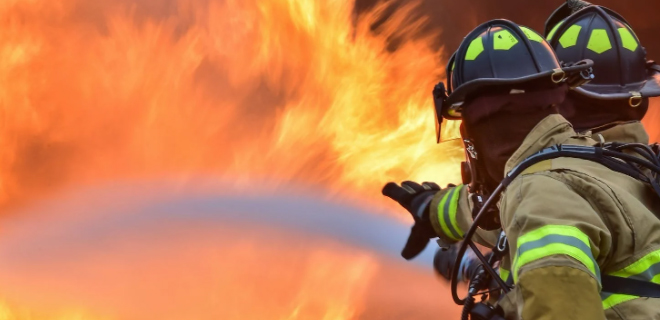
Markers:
point(499, 53)
point(620, 67)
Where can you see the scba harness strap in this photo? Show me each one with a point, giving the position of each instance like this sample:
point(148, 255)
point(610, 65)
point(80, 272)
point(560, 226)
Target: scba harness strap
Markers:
point(616, 161)
point(629, 286)
point(610, 155)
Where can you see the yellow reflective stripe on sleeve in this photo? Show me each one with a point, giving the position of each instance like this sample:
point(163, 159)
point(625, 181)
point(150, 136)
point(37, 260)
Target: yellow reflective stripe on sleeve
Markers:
point(447, 209)
point(453, 209)
point(505, 274)
point(641, 267)
point(646, 269)
point(615, 299)
point(554, 240)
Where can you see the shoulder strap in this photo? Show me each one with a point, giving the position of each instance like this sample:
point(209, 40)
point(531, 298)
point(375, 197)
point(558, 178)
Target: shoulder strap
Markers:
point(544, 165)
point(629, 286)
point(542, 161)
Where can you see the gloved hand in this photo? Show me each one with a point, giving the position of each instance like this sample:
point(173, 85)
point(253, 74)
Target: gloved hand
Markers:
point(415, 198)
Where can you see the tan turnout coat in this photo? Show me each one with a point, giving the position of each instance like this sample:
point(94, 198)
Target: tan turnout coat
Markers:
point(568, 221)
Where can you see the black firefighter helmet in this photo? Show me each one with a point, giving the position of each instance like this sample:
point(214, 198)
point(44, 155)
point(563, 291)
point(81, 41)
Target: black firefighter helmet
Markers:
point(500, 53)
point(605, 37)
point(500, 56)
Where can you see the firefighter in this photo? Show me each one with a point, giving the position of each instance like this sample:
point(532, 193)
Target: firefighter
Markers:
point(577, 30)
point(567, 220)
point(613, 103)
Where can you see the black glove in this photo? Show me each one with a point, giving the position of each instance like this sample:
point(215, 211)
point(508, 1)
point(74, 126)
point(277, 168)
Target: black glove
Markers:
point(416, 199)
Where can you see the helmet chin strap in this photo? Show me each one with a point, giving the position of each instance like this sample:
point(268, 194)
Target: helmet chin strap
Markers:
point(477, 186)
point(476, 183)
point(610, 155)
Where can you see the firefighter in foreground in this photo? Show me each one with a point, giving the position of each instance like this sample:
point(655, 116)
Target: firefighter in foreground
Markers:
point(567, 220)
point(609, 108)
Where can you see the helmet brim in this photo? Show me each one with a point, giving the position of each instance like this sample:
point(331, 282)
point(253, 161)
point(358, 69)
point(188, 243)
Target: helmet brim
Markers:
point(647, 89)
point(553, 77)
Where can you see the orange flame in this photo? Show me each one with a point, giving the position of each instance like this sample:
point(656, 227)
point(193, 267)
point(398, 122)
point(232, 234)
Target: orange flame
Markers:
point(651, 120)
point(258, 90)
point(250, 91)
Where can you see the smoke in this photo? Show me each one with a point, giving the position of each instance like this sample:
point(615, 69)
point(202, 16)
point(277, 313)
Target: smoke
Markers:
point(457, 18)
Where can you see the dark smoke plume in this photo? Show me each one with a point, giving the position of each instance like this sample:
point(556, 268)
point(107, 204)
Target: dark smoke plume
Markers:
point(457, 18)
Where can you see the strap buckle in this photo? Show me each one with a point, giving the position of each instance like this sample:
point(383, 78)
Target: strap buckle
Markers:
point(635, 99)
point(558, 75)
point(502, 244)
